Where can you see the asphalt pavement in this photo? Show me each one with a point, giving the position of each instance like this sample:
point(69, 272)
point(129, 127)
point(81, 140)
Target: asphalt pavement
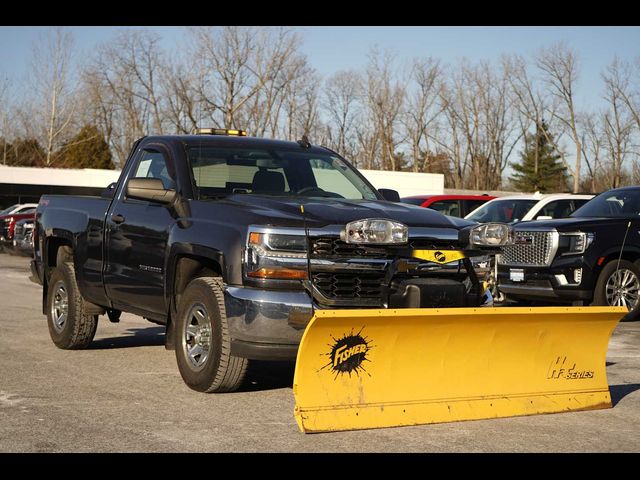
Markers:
point(124, 394)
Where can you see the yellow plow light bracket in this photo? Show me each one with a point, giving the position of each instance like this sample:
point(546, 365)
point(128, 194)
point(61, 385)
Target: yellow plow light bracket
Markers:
point(373, 368)
point(438, 256)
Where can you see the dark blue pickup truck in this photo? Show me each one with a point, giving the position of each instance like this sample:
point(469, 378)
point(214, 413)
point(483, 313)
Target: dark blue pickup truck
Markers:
point(232, 242)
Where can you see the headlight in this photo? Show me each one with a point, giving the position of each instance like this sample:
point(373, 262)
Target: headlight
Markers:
point(276, 256)
point(575, 242)
point(375, 231)
point(490, 235)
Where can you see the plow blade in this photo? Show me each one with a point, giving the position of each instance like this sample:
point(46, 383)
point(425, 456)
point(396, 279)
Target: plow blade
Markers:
point(360, 369)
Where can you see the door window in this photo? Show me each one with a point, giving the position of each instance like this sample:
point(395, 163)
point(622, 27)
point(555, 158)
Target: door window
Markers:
point(557, 209)
point(446, 207)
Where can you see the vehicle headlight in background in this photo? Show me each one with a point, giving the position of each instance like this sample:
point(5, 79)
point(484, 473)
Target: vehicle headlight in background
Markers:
point(577, 242)
point(276, 256)
point(490, 235)
point(375, 231)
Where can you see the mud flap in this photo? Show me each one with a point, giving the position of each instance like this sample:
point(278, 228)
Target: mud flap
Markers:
point(360, 369)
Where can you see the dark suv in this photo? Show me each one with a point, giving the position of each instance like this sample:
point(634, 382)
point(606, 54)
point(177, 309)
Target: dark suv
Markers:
point(591, 257)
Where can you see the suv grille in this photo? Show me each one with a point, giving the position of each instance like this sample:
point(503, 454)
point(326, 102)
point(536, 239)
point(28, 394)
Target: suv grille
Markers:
point(534, 249)
point(349, 285)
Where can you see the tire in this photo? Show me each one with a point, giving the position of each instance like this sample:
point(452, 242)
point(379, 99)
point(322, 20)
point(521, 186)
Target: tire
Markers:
point(605, 291)
point(77, 329)
point(202, 341)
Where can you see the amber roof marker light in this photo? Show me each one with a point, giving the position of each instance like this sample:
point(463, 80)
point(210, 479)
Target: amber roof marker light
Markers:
point(220, 131)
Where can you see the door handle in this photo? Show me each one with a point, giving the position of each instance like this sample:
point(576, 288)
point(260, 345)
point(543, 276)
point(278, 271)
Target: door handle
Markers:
point(117, 218)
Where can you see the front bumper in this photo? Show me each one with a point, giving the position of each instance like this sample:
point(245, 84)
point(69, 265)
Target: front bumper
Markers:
point(266, 324)
point(553, 283)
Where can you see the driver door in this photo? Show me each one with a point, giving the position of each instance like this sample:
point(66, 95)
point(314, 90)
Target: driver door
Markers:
point(137, 232)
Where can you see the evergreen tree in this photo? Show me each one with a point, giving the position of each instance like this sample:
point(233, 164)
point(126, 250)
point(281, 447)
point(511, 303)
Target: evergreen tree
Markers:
point(23, 152)
point(539, 169)
point(88, 149)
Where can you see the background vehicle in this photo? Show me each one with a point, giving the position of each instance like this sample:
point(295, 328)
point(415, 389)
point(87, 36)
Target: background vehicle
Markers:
point(8, 223)
point(591, 257)
point(18, 208)
point(453, 205)
point(520, 208)
point(232, 243)
point(23, 236)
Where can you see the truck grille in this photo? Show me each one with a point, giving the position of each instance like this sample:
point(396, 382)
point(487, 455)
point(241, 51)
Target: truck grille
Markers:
point(349, 285)
point(534, 249)
point(334, 247)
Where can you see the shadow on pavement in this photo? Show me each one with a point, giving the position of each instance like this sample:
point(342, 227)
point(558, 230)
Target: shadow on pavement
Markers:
point(618, 392)
point(263, 375)
point(134, 337)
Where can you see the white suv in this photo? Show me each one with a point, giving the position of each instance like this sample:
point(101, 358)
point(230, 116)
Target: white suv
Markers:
point(519, 208)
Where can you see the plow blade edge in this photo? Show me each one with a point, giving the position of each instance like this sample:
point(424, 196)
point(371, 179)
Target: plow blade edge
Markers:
point(370, 368)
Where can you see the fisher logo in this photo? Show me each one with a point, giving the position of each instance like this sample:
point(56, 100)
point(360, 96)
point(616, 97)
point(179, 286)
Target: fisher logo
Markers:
point(439, 256)
point(560, 368)
point(348, 354)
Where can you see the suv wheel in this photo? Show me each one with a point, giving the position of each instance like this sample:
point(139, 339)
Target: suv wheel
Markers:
point(202, 340)
point(619, 286)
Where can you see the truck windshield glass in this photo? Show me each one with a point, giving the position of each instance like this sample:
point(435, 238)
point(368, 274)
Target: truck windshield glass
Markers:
point(504, 211)
point(621, 203)
point(218, 172)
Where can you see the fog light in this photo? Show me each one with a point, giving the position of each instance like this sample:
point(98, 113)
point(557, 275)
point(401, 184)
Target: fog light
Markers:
point(577, 275)
point(561, 279)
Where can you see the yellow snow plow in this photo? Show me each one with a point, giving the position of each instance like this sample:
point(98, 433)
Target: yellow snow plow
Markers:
point(373, 368)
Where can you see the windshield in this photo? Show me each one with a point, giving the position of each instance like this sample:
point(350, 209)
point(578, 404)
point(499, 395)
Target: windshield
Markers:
point(620, 203)
point(504, 211)
point(218, 172)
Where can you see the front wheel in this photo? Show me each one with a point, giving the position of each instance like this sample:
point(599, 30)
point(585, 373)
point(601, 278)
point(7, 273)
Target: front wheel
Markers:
point(202, 340)
point(619, 285)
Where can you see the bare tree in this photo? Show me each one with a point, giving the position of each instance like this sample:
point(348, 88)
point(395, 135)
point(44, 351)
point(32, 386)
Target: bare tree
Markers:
point(422, 109)
point(239, 64)
point(179, 87)
point(124, 79)
point(53, 104)
point(4, 115)
point(342, 93)
point(592, 147)
point(617, 121)
point(385, 97)
point(559, 66)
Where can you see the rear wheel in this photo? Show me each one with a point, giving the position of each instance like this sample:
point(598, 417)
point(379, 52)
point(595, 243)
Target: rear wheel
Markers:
point(69, 326)
point(202, 341)
point(619, 285)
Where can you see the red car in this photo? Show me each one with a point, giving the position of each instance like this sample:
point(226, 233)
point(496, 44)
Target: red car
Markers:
point(454, 205)
point(8, 224)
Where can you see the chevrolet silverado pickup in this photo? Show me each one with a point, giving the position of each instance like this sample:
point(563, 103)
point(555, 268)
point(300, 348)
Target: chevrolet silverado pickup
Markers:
point(232, 242)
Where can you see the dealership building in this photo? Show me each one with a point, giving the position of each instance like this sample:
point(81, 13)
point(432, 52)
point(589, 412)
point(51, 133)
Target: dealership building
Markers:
point(27, 184)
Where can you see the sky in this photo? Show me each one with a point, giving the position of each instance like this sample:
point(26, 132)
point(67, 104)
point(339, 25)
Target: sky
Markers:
point(330, 49)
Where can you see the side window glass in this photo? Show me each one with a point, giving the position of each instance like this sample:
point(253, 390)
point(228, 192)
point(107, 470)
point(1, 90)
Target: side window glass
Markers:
point(154, 165)
point(446, 207)
point(557, 209)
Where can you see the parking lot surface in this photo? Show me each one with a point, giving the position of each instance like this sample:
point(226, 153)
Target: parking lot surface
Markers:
point(124, 394)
